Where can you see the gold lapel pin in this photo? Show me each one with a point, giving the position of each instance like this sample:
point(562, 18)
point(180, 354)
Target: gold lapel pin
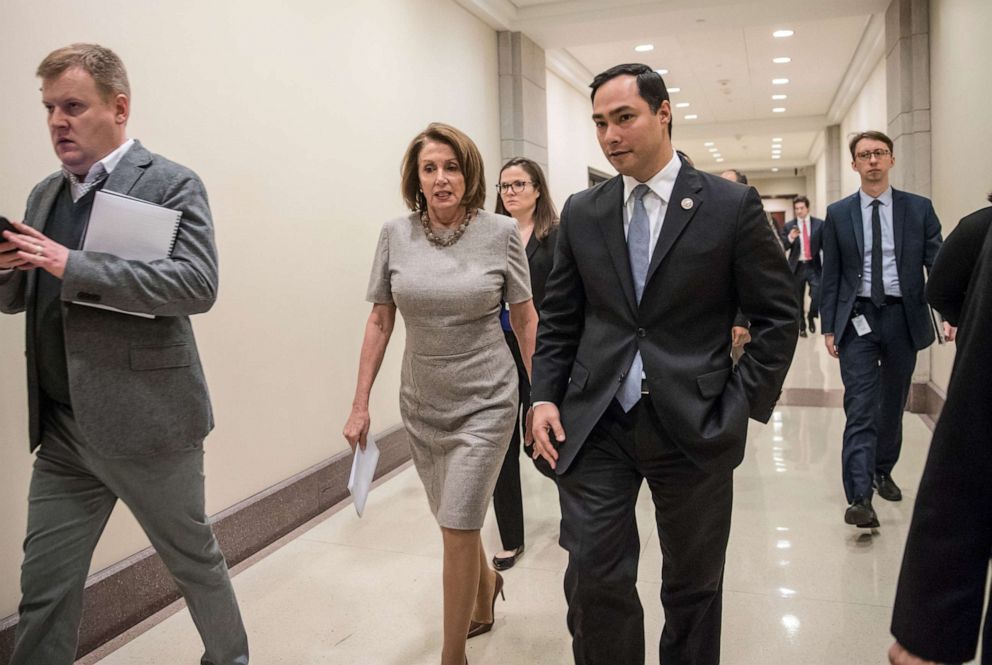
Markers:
point(687, 203)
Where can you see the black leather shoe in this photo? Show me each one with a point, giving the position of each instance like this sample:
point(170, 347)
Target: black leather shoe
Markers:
point(802, 333)
point(861, 514)
point(887, 488)
point(812, 325)
point(507, 562)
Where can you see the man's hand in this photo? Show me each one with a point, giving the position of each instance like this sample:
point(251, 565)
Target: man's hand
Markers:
point(794, 233)
point(950, 332)
point(9, 257)
point(828, 340)
point(547, 419)
point(528, 428)
point(899, 656)
point(739, 336)
point(35, 250)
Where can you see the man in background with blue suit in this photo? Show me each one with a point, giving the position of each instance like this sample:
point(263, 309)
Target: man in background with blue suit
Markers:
point(875, 318)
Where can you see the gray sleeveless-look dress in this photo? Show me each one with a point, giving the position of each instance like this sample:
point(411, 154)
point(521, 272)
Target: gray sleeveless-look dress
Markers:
point(458, 386)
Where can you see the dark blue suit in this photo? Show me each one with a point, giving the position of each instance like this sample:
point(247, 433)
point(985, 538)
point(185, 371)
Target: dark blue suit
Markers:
point(877, 368)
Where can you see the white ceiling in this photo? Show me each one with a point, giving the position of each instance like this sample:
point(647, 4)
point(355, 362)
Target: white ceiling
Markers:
point(719, 53)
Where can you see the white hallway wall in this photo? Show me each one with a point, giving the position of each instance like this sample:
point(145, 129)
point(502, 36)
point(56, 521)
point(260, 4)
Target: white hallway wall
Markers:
point(866, 112)
point(960, 77)
point(572, 144)
point(296, 117)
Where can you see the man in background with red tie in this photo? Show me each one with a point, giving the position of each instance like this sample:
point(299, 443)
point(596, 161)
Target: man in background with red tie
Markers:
point(801, 239)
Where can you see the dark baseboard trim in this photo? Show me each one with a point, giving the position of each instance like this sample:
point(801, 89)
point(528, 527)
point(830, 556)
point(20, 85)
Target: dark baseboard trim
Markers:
point(933, 403)
point(131, 590)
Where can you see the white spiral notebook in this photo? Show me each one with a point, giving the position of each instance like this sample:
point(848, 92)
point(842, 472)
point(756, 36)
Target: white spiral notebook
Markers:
point(131, 229)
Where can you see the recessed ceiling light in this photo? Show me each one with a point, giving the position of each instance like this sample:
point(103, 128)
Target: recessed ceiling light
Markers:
point(776, 139)
point(691, 116)
point(776, 156)
point(778, 109)
point(675, 90)
point(713, 149)
point(782, 60)
point(682, 105)
point(644, 48)
point(783, 33)
point(661, 72)
point(776, 152)
point(775, 169)
point(779, 97)
point(779, 81)
point(708, 144)
point(720, 160)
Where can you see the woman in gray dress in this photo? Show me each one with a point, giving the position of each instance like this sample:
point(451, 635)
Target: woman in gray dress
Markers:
point(446, 267)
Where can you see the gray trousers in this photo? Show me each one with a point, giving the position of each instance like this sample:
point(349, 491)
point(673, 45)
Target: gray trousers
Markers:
point(73, 490)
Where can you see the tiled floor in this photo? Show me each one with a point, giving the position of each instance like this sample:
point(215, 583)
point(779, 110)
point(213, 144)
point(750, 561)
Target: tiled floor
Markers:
point(802, 588)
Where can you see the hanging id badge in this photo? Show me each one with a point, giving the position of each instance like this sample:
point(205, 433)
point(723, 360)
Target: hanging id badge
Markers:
point(861, 325)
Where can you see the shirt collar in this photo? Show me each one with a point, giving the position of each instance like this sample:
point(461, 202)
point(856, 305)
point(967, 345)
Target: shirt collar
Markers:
point(661, 183)
point(105, 165)
point(885, 197)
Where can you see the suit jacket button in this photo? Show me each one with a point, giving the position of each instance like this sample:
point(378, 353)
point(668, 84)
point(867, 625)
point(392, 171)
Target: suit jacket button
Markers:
point(641, 332)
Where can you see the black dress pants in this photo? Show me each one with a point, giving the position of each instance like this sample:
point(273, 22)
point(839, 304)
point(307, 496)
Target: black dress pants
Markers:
point(599, 531)
point(507, 496)
point(807, 275)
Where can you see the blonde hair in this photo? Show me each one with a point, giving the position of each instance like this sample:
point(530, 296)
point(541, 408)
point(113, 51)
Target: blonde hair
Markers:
point(99, 62)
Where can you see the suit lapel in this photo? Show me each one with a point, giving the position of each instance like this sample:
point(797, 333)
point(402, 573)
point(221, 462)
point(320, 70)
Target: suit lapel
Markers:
point(858, 223)
point(129, 170)
point(609, 212)
point(677, 216)
point(898, 222)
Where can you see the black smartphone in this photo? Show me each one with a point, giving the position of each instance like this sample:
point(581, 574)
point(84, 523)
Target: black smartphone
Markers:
point(5, 225)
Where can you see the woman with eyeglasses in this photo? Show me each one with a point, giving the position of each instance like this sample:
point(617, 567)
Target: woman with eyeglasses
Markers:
point(523, 195)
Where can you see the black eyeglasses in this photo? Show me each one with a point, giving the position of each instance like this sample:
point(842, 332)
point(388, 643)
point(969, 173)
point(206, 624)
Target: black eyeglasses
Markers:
point(868, 154)
point(517, 186)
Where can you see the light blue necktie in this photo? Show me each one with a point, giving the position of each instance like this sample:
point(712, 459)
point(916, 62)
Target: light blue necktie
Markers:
point(639, 251)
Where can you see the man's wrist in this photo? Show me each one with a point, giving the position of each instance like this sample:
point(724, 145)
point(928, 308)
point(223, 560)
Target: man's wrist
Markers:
point(534, 405)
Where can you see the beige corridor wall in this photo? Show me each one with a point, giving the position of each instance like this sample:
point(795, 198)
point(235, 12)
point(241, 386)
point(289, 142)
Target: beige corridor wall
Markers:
point(960, 80)
point(296, 116)
point(866, 112)
point(572, 144)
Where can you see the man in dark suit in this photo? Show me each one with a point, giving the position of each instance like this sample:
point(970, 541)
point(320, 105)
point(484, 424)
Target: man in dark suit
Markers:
point(633, 362)
point(937, 614)
point(875, 318)
point(801, 238)
point(118, 404)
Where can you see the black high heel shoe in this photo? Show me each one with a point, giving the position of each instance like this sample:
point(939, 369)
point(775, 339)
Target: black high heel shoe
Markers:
point(477, 628)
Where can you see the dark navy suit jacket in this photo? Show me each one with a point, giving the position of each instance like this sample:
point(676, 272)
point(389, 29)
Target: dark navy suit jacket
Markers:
point(917, 239)
point(716, 255)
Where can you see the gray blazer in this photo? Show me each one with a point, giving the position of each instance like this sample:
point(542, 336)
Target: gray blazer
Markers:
point(137, 385)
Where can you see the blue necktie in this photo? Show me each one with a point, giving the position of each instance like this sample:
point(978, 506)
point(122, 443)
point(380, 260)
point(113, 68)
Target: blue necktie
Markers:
point(639, 251)
point(877, 278)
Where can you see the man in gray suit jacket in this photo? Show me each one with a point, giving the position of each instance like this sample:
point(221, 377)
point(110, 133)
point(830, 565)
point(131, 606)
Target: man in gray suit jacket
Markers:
point(118, 404)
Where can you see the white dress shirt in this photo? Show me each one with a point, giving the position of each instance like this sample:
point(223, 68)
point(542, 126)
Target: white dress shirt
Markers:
point(655, 201)
point(105, 165)
point(804, 227)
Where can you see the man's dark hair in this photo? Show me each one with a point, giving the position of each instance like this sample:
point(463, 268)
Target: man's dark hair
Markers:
point(870, 134)
point(801, 199)
point(650, 85)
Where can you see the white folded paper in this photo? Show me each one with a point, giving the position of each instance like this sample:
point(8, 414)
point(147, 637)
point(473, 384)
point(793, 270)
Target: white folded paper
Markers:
point(362, 473)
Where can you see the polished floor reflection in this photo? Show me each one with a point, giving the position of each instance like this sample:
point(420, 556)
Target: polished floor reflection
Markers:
point(801, 586)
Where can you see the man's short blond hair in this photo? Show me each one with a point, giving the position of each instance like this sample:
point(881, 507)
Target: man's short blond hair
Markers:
point(99, 62)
